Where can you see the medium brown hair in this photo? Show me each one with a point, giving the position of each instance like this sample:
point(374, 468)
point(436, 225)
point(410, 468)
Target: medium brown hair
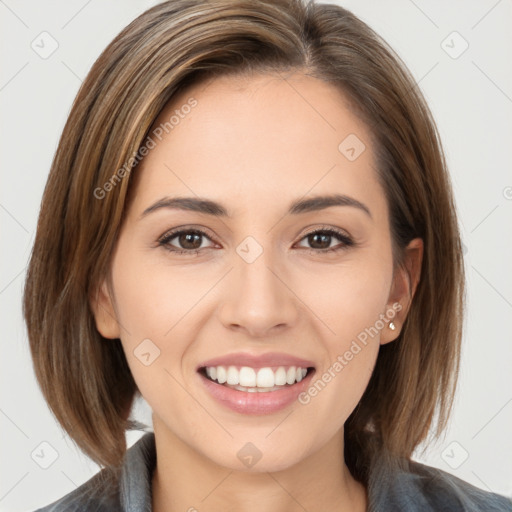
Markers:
point(84, 377)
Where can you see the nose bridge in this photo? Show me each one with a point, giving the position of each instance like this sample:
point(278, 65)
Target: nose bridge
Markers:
point(259, 300)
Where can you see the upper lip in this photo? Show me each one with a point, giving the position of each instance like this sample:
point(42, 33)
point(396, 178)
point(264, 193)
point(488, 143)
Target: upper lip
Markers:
point(257, 361)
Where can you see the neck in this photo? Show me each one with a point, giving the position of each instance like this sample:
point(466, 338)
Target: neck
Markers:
point(186, 480)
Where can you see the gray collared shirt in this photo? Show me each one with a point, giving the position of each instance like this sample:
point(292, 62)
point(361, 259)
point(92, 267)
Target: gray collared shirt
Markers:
point(424, 489)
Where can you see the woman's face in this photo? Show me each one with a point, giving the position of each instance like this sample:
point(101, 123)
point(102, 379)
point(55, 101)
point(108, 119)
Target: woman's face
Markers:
point(260, 284)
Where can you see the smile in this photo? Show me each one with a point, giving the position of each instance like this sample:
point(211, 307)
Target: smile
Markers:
point(253, 380)
point(264, 391)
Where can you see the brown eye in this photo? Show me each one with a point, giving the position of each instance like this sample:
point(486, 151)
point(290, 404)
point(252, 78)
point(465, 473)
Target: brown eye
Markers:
point(321, 239)
point(188, 241)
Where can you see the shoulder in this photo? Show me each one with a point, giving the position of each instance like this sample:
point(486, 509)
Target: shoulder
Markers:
point(112, 490)
point(445, 491)
point(415, 487)
point(99, 494)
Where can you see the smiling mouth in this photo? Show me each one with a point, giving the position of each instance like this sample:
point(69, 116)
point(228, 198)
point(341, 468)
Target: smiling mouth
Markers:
point(256, 380)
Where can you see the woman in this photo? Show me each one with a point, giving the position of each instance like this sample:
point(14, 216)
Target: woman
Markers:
point(249, 222)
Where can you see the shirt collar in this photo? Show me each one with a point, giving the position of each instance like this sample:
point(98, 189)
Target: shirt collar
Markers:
point(136, 475)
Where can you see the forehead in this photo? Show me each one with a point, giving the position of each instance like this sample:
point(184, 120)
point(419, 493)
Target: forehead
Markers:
point(238, 140)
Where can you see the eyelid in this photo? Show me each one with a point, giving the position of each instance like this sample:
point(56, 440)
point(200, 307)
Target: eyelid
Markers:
point(314, 229)
point(171, 233)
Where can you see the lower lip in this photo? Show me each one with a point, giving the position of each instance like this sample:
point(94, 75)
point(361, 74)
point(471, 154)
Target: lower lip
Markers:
point(256, 403)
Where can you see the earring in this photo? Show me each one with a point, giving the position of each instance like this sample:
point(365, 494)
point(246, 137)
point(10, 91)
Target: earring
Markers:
point(392, 326)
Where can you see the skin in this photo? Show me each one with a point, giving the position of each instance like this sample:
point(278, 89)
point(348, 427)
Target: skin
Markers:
point(255, 145)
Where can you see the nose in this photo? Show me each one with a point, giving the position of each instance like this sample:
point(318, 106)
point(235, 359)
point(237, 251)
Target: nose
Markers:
point(258, 299)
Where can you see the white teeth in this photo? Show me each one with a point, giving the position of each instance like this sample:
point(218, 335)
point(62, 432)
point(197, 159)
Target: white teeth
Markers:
point(251, 379)
point(233, 376)
point(290, 375)
point(280, 377)
point(247, 377)
point(265, 379)
point(221, 374)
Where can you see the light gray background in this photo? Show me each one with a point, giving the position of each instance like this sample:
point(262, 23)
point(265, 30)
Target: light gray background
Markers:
point(470, 97)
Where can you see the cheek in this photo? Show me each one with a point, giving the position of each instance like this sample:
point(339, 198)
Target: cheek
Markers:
point(148, 306)
point(152, 298)
point(158, 307)
point(350, 357)
point(348, 298)
point(351, 304)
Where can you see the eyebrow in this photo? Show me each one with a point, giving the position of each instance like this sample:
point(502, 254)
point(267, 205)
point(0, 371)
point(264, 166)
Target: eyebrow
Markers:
point(208, 207)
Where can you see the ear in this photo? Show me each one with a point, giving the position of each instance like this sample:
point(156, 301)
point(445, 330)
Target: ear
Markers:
point(105, 316)
point(403, 288)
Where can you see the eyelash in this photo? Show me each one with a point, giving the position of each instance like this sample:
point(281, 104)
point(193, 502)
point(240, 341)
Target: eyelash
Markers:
point(347, 242)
